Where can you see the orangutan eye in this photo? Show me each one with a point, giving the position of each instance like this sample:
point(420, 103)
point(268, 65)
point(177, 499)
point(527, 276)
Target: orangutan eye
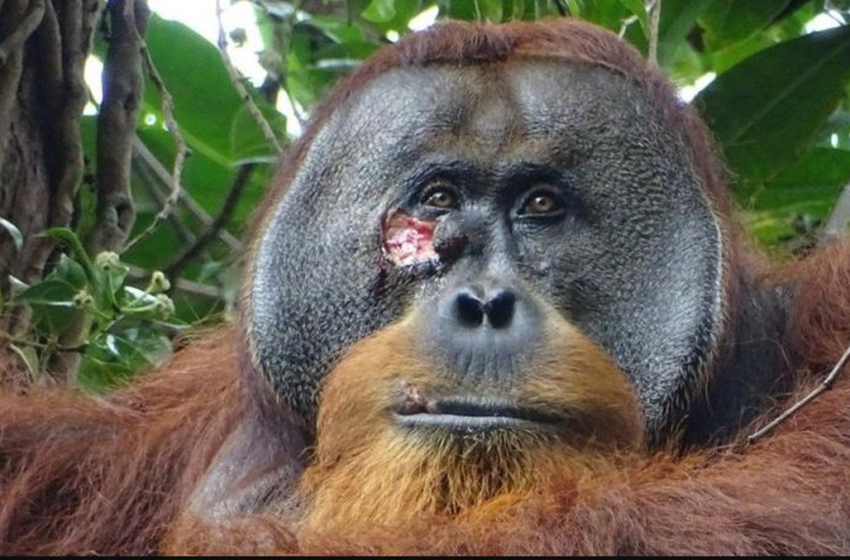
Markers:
point(541, 203)
point(440, 196)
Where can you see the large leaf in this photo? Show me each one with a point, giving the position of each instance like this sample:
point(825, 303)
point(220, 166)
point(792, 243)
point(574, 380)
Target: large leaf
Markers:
point(766, 110)
point(206, 105)
point(807, 189)
point(677, 19)
point(728, 21)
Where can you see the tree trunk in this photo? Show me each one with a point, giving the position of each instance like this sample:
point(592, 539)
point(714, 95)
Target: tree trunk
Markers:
point(43, 48)
point(44, 45)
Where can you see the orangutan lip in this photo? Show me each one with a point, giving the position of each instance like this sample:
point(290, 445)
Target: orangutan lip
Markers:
point(452, 414)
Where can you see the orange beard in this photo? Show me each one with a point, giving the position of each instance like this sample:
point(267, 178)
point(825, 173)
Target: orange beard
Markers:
point(369, 471)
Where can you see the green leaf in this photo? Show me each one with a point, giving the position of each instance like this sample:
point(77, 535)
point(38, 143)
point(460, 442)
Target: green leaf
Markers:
point(808, 188)
point(460, 9)
point(766, 110)
point(677, 19)
point(491, 10)
point(607, 14)
point(51, 292)
point(111, 360)
point(731, 21)
point(722, 60)
point(516, 8)
point(379, 11)
point(70, 271)
point(817, 178)
point(112, 278)
point(136, 297)
point(206, 104)
point(214, 123)
point(216, 127)
point(17, 236)
point(638, 8)
point(70, 239)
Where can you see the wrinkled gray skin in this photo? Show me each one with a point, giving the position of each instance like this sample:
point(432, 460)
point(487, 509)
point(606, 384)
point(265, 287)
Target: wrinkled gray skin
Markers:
point(634, 262)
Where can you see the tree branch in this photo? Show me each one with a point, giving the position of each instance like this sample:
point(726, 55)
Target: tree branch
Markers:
point(822, 388)
point(123, 87)
point(144, 157)
point(234, 194)
point(151, 184)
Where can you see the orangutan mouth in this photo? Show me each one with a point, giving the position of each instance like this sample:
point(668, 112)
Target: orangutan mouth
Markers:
point(469, 415)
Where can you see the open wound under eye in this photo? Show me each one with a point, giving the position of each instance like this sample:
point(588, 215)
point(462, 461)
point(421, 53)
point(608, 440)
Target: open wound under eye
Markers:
point(407, 240)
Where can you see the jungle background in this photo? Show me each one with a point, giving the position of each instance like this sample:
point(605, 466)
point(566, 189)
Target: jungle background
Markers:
point(122, 216)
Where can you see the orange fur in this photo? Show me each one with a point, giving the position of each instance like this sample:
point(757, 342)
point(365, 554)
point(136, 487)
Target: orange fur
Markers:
point(787, 494)
point(79, 474)
point(112, 476)
point(402, 476)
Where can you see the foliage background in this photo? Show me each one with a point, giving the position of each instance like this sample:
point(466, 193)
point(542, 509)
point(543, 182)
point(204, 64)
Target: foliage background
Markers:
point(778, 105)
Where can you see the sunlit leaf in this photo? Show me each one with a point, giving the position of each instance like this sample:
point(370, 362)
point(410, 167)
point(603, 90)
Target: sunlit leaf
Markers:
point(379, 11)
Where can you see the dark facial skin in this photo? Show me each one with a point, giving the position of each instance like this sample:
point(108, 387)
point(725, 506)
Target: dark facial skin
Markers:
point(542, 184)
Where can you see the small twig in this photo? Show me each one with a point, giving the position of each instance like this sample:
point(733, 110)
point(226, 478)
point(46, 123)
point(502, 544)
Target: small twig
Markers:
point(152, 186)
point(822, 388)
point(626, 23)
point(182, 149)
point(144, 157)
point(654, 18)
point(838, 219)
point(241, 90)
point(235, 193)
